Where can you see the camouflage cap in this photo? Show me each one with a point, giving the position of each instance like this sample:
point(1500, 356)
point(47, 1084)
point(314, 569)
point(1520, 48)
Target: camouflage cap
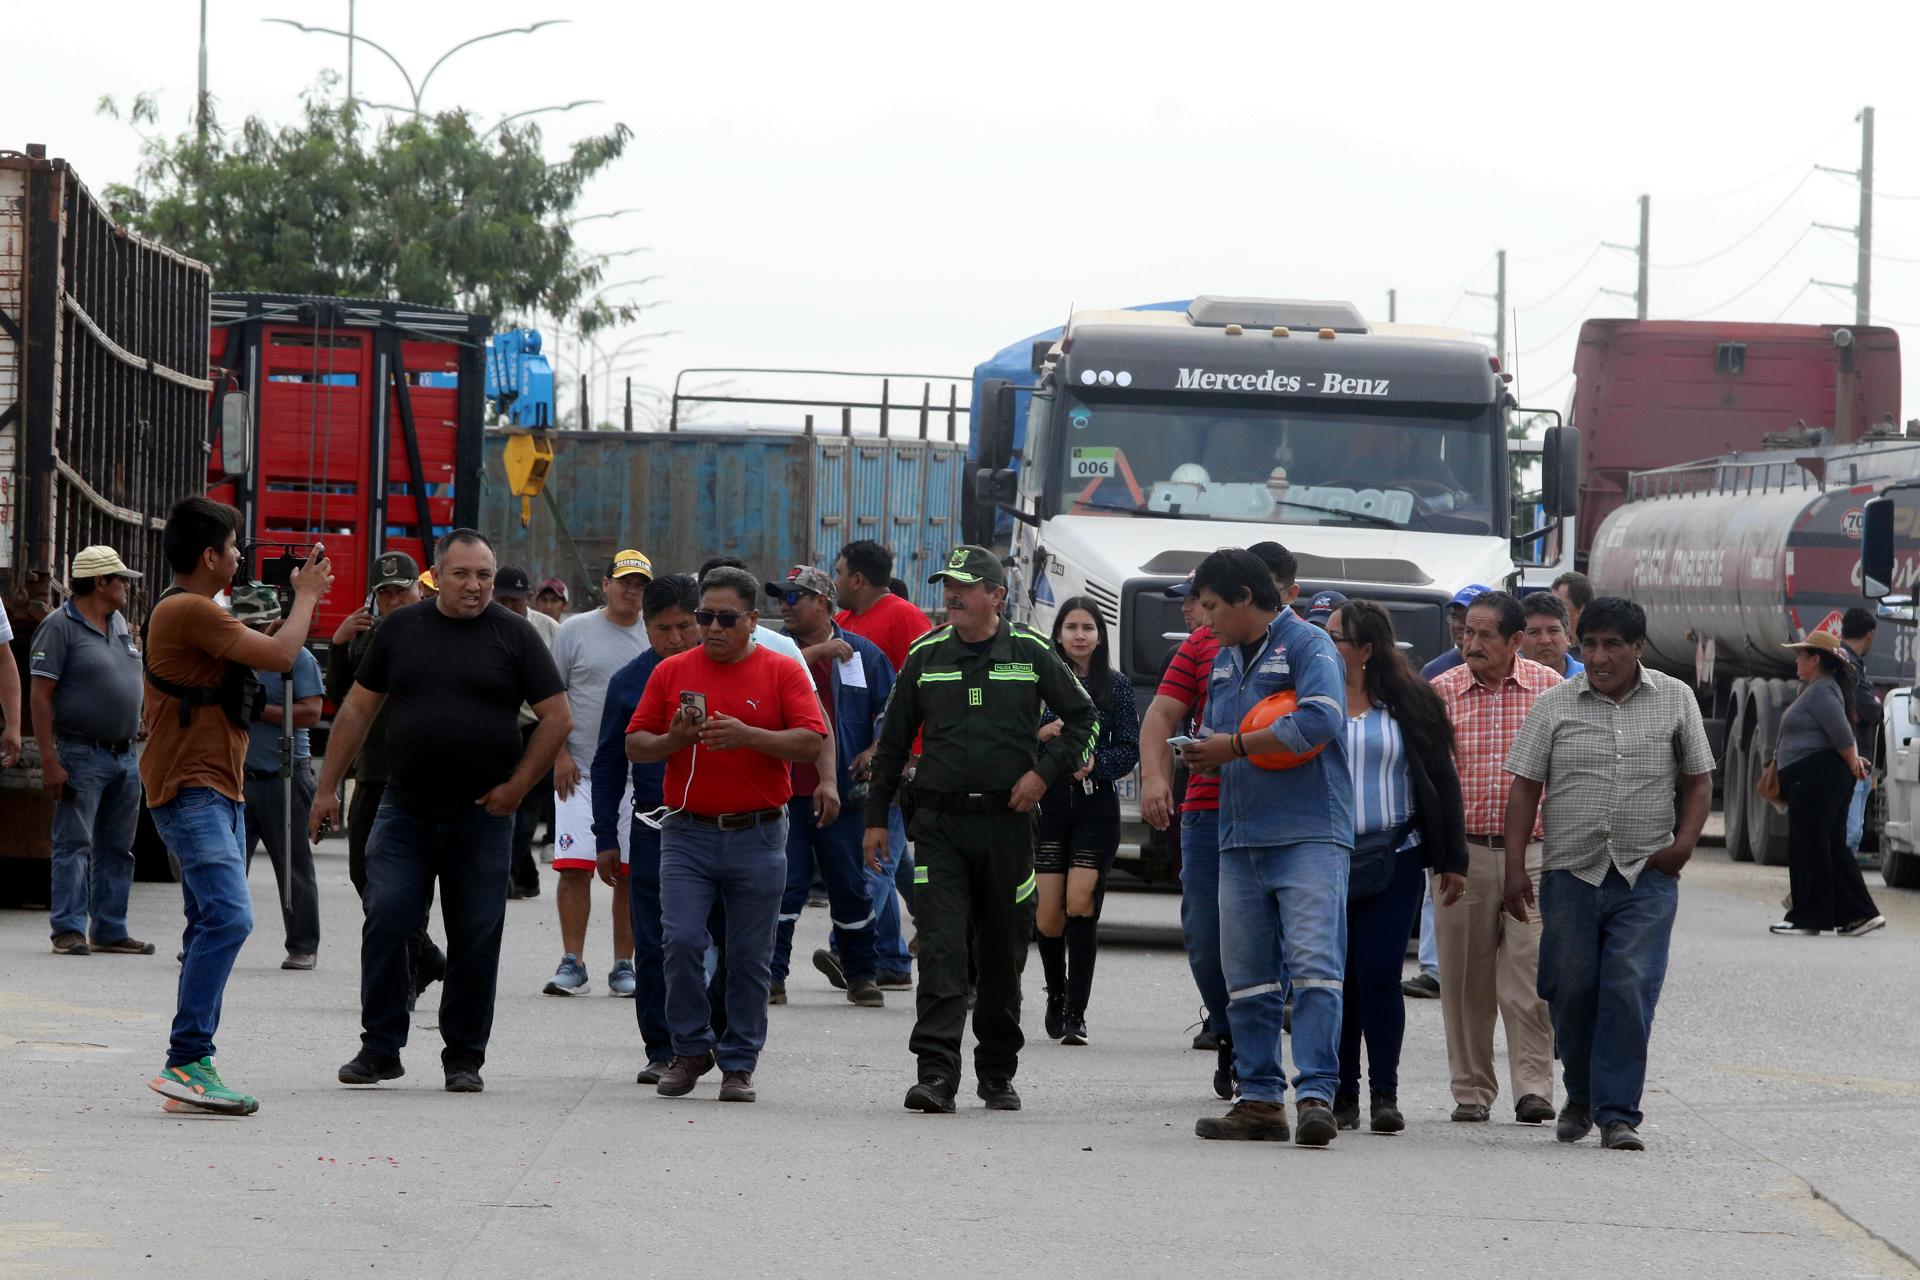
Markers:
point(395, 569)
point(254, 602)
point(802, 577)
point(970, 564)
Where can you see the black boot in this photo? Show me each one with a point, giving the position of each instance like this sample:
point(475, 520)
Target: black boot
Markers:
point(1053, 963)
point(1225, 1079)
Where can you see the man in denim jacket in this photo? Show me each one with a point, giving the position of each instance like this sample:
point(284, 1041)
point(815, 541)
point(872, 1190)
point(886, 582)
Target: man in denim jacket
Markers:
point(1286, 839)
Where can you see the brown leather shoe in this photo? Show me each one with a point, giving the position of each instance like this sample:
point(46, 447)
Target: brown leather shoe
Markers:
point(866, 993)
point(71, 944)
point(124, 947)
point(737, 1086)
point(1247, 1122)
point(678, 1079)
point(1533, 1109)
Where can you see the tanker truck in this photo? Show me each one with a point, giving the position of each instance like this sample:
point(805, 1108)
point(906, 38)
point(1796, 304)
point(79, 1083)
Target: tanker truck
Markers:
point(1732, 558)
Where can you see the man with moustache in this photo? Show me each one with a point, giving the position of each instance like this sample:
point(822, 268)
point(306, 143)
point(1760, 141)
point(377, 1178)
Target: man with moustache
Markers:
point(456, 669)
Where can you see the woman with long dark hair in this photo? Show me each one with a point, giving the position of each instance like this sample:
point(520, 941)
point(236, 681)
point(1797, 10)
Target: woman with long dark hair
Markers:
point(1080, 822)
point(1407, 817)
point(1818, 764)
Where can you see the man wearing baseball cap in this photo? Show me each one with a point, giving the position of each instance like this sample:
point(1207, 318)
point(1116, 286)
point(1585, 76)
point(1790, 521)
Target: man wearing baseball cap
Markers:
point(1321, 610)
point(589, 649)
point(1456, 624)
point(975, 689)
point(258, 606)
point(86, 718)
point(552, 598)
point(854, 676)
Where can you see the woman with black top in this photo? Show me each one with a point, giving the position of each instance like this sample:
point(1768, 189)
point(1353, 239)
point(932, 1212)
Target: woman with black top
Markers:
point(1818, 762)
point(1407, 817)
point(1080, 822)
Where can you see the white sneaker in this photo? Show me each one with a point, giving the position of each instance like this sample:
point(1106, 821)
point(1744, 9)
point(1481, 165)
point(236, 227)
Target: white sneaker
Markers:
point(1859, 927)
point(1787, 928)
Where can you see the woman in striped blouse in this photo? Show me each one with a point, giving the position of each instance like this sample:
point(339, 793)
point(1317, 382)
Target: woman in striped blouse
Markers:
point(1407, 816)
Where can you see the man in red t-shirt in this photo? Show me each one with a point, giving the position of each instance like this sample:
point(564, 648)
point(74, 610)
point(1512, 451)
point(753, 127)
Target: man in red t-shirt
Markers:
point(728, 718)
point(861, 574)
point(860, 577)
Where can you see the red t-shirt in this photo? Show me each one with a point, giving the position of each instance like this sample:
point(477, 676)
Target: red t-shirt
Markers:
point(891, 623)
point(806, 776)
point(766, 690)
point(1186, 679)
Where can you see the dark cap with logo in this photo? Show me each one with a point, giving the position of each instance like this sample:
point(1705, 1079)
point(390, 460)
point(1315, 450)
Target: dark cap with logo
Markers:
point(803, 577)
point(510, 582)
point(1323, 606)
point(970, 564)
point(395, 569)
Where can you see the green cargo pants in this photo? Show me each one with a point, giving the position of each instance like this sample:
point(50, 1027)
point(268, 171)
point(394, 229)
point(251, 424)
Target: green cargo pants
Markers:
point(973, 876)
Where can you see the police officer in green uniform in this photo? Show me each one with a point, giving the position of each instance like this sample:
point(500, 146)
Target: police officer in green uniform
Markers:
point(974, 690)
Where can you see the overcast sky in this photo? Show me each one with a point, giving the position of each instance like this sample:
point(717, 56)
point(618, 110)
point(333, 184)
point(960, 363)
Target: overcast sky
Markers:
point(911, 187)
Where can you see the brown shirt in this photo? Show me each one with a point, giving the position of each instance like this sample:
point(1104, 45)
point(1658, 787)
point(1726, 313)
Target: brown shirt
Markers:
point(187, 642)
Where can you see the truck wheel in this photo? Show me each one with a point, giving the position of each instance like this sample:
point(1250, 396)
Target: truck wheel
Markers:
point(1766, 825)
point(1900, 870)
point(26, 882)
point(1735, 783)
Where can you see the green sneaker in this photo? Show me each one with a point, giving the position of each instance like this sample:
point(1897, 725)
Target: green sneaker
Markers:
point(198, 1085)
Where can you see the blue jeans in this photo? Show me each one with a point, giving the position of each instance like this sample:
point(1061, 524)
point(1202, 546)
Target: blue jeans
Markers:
point(1200, 910)
point(1857, 813)
point(745, 872)
point(643, 909)
point(1429, 945)
point(835, 849)
point(202, 829)
point(93, 826)
point(1283, 913)
point(1603, 957)
point(468, 850)
point(886, 887)
point(1372, 1005)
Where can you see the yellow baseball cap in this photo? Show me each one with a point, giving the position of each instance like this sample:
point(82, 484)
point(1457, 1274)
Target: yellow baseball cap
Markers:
point(629, 562)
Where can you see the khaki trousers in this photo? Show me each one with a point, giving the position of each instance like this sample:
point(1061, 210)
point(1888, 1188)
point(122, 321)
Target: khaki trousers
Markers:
point(1490, 962)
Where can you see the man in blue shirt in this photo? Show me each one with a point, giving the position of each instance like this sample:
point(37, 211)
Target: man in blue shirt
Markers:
point(1549, 634)
point(1456, 623)
point(258, 605)
point(666, 609)
point(1286, 838)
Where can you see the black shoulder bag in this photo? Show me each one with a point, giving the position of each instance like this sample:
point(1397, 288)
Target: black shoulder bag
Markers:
point(1373, 860)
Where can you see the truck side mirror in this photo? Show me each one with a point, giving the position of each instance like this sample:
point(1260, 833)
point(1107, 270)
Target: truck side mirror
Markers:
point(236, 433)
point(995, 423)
point(1876, 549)
point(1560, 471)
point(997, 489)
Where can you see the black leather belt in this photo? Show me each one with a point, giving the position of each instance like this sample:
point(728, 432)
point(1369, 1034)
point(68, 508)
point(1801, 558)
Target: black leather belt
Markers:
point(262, 775)
point(118, 748)
point(735, 821)
point(1495, 840)
point(962, 801)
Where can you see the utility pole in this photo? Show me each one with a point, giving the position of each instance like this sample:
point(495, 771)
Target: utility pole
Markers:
point(585, 425)
point(200, 103)
point(351, 41)
point(1499, 300)
point(1862, 231)
point(1640, 289)
point(1393, 306)
point(1863, 275)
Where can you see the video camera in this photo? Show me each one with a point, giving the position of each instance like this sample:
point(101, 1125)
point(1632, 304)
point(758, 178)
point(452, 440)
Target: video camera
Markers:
point(276, 570)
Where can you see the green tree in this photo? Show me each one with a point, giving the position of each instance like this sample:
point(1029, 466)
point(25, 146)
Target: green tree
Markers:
point(426, 209)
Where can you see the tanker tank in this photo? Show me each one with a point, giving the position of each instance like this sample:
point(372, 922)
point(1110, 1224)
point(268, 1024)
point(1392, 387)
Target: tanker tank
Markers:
point(1733, 557)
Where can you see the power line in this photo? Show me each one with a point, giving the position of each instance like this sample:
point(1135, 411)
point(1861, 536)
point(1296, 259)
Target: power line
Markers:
point(1757, 227)
point(1758, 280)
point(1787, 167)
point(1562, 287)
point(1878, 257)
point(1580, 315)
point(1790, 301)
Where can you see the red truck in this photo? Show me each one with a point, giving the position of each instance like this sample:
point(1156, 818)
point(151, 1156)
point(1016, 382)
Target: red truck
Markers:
point(1657, 393)
point(368, 420)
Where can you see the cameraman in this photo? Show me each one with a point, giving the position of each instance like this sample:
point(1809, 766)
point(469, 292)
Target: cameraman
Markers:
point(193, 768)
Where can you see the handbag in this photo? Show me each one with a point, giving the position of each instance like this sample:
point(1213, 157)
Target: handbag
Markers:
point(1769, 788)
point(1374, 855)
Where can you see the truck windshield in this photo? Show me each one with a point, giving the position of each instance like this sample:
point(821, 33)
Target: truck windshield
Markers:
point(1429, 467)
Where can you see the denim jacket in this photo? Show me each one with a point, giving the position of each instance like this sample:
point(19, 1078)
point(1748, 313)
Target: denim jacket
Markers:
point(857, 711)
point(1310, 802)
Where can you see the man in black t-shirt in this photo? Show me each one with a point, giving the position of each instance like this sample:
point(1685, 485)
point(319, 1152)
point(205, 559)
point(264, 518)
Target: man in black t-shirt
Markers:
point(451, 673)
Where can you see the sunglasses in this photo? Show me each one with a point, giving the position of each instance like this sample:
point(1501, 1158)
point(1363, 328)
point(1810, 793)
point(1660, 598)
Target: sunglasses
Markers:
point(727, 618)
point(791, 598)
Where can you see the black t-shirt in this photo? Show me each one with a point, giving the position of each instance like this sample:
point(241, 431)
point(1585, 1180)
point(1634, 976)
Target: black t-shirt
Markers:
point(454, 688)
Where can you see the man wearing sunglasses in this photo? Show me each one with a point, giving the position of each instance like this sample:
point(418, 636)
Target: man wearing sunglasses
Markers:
point(728, 718)
point(856, 673)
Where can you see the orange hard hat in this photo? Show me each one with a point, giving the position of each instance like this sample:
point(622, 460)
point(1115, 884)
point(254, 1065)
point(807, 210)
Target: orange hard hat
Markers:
point(1264, 713)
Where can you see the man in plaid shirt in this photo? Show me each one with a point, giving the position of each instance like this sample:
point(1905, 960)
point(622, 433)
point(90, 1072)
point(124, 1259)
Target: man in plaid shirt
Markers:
point(1489, 961)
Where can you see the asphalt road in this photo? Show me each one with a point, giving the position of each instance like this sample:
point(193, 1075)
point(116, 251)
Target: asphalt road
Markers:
point(1782, 1109)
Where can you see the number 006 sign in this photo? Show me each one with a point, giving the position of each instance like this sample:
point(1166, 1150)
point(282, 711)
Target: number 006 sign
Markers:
point(1091, 464)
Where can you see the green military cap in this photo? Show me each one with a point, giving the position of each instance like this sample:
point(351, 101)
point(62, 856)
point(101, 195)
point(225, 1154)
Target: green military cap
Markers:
point(254, 602)
point(970, 564)
point(395, 569)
